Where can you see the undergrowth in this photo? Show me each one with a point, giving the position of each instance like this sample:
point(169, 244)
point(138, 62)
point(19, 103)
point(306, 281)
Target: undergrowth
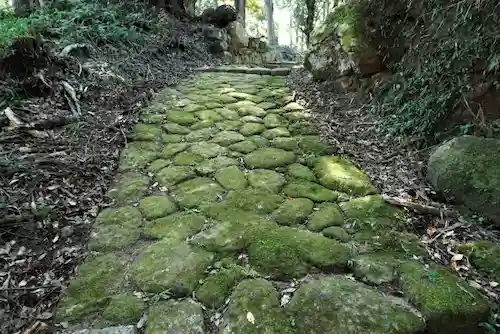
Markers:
point(78, 21)
point(450, 42)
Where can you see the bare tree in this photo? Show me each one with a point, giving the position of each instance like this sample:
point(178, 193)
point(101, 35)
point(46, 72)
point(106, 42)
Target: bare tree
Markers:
point(270, 21)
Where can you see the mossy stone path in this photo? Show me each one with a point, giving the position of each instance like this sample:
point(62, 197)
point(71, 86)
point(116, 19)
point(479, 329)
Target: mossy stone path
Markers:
point(230, 215)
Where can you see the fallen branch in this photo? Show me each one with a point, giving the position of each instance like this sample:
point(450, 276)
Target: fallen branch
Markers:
point(70, 48)
point(70, 95)
point(420, 208)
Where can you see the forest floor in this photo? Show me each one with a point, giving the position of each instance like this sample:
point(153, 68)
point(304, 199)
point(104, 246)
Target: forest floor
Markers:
point(230, 213)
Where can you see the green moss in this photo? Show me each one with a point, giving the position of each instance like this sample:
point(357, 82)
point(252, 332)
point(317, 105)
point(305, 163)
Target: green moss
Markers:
point(293, 211)
point(326, 215)
point(123, 309)
point(286, 253)
point(253, 200)
point(310, 190)
point(158, 164)
point(216, 288)
point(298, 171)
point(340, 305)
point(172, 175)
point(313, 145)
point(96, 281)
point(138, 154)
point(339, 174)
point(147, 132)
point(276, 132)
point(245, 147)
point(201, 135)
point(130, 188)
point(449, 304)
point(172, 149)
point(226, 138)
point(258, 298)
point(372, 213)
point(251, 119)
point(169, 139)
point(484, 255)
point(181, 117)
point(228, 114)
point(197, 192)
point(274, 120)
point(302, 128)
point(259, 141)
point(269, 158)
point(376, 268)
point(174, 316)
point(178, 226)
point(209, 167)
point(286, 143)
point(228, 125)
point(337, 233)
point(231, 178)
point(156, 206)
point(266, 180)
point(249, 129)
point(209, 115)
point(174, 128)
point(170, 265)
point(192, 108)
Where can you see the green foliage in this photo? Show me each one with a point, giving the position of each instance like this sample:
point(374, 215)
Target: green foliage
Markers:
point(449, 40)
point(10, 28)
point(80, 21)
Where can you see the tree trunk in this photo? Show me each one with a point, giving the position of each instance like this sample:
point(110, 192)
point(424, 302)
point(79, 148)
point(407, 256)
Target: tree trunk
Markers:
point(311, 15)
point(240, 6)
point(190, 6)
point(270, 21)
point(290, 29)
point(175, 7)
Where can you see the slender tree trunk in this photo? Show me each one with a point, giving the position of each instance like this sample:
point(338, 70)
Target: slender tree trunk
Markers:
point(215, 3)
point(310, 17)
point(270, 22)
point(290, 29)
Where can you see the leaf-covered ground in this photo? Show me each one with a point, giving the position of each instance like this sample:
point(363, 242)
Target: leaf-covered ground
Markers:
point(230, 214)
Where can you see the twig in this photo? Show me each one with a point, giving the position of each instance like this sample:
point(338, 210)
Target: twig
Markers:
point(69, 48)
point(71, 97)
point(420, 208)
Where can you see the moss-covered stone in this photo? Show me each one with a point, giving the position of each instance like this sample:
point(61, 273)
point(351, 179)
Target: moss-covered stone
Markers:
point(313, 145)
point(333, 305)
point(326, 215)
point(170, 139)
point(197, 192)
point(249, 129)
point(156, 206)
point(201, 135)
point(181, 117)
point(269, 158)
point(276, 132)
point(292, 106)
point(138, 154)
point(209, 115)
point(226, 138)
point(245, 147)
point(467, 169)
point(228, 125)
point(253, 200)
point(301, 172)
point(216, 288)
point(170, 265)
point(447, 302)
point(266, 179)
point(173, 316)
point(228, 114)
point(259, 141)
point(231, 177)
point(96, 281)
point(172, 149)
point(285, 143)
point(252, 119)
point(158, 164)
point(129, 188)
point(192, 108)
point(267, 105)
point(376, 268)
point(484, 256)
point(372, 213)
point(258, 300)
point(337, 233)
point(207, 150)
point(178, 226)
point(239, 105)
point(146, 132)
point(302, 128)
point(176, 129)
point(115, 228)
point(210, 166)
point(213, 105)
point(311, 190)
point(285, 253)
point(339, 174)
point(187, 158)
point(172, 175)
point(294, 211)
point(274, 120)
point(123, 309)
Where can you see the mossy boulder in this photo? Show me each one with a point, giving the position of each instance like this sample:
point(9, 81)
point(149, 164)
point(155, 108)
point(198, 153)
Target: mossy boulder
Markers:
point(231, 177)
point(96, 281)
point(326, 215)
point(467, 170)
point(298, 171)
point(147, 132)
point(252, 200)
point(210, 166)
point(339, 174)
point(448, 303)
point(178, 226)
point(138, 154)
point(336, 233)
point(255, 309)
point(130, 187)
point(276, 133)
point(375, 268)
point(311, 190)
point(170, 265)
point(294, 211)
point(332, 305)
point(123, 309)
point(197, 192)
point(286, 253)
point(269, 158)
point(217, 287)
point(266, 179)
point(226, 138)
point(245, 147)
point(172, 175)
point(484, 256)
point(249, 129)
point(173, 316)
point(157, 206)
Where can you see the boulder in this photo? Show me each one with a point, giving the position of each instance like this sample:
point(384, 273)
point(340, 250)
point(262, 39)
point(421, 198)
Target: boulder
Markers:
point(239, 37)
point(219, 17)
point(217, 39)
point(467, 170)
point(340, 46)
